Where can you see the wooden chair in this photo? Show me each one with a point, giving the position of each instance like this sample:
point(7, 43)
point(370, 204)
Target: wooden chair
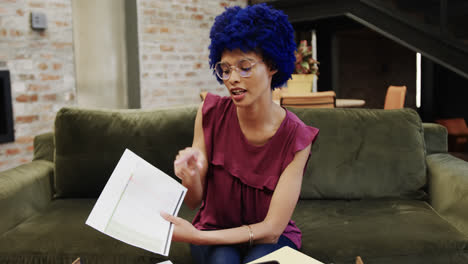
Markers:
point(359, 260)
point(309, 100)
point(457, 133)
point(395, 97)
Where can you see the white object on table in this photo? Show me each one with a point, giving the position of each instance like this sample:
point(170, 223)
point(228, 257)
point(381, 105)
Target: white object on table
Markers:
point(344, 103)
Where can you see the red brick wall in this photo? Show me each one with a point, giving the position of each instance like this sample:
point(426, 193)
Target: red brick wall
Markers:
point(41, 66)
point(173, 44)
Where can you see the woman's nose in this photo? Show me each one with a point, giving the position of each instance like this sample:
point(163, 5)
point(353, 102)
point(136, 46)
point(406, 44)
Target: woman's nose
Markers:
point(235, 77)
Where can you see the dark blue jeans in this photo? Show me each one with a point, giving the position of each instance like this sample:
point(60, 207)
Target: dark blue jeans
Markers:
point(235, 254)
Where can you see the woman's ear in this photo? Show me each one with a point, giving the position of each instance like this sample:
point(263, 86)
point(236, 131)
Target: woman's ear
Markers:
point(273, 71)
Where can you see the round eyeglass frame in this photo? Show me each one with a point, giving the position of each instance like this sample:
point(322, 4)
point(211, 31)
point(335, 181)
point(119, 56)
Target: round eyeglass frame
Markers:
point(242, 73)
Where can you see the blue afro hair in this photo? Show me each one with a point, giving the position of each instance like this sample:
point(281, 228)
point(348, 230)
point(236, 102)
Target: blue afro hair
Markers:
point(258, 28)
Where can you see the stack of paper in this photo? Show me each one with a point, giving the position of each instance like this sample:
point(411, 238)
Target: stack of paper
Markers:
point(309, 100)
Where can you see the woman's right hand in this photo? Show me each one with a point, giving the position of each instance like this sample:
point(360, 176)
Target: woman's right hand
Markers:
point(188, 164)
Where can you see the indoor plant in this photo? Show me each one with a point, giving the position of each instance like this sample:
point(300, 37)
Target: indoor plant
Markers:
point(306, 70)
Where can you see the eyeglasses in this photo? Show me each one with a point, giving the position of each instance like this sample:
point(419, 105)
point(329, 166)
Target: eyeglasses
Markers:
point(244, 68)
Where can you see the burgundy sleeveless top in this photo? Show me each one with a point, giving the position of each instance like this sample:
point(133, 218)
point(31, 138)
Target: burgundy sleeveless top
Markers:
point(241, 177)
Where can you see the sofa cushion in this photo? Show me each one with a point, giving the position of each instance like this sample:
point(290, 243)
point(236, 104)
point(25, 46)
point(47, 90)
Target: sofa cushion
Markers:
point(364, 153)
point(89, 144)
point(380, 231)
point(59, 235)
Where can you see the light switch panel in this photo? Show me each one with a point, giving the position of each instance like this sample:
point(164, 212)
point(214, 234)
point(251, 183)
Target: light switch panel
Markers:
point(38, 21)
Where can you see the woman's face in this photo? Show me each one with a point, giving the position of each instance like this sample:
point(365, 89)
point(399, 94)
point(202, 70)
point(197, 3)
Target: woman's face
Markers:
point(246, 91)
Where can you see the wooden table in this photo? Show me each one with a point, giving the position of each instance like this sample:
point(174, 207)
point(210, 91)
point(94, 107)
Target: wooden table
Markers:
point(348, 103)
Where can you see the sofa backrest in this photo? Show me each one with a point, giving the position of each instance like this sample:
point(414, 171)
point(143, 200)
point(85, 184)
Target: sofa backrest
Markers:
point(359, 153)
point(89, 143)
point(364, 153)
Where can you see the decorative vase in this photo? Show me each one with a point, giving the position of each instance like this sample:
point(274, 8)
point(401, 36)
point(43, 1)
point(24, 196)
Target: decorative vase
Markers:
point(301, 83)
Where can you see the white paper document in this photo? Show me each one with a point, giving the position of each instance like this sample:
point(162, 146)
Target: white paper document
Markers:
point(286, 255)
point(129, 207)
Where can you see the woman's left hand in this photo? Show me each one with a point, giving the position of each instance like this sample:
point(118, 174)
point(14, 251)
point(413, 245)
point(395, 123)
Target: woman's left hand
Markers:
point(184, 231)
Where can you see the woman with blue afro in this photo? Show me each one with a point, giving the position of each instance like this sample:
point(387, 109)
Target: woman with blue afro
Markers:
point(244, 169)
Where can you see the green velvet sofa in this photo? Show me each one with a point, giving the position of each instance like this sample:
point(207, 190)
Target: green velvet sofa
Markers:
point(379, 184)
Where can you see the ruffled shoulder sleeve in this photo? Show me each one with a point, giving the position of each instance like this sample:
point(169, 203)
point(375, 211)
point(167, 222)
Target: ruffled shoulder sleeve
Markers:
point(214, 109)
point(209, 108)
point(301, 135)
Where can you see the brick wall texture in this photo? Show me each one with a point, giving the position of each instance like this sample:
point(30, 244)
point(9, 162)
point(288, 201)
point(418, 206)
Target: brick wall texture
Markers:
point(41, 66)
point(173, 45)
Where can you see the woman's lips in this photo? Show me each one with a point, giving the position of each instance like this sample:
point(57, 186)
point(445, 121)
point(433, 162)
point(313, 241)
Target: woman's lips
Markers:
point(238, 93)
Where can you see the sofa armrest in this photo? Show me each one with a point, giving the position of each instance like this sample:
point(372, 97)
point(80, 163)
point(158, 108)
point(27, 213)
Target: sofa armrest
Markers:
point(44, 147)
point(448, 188)
point(435, 137)
point(24, 190)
